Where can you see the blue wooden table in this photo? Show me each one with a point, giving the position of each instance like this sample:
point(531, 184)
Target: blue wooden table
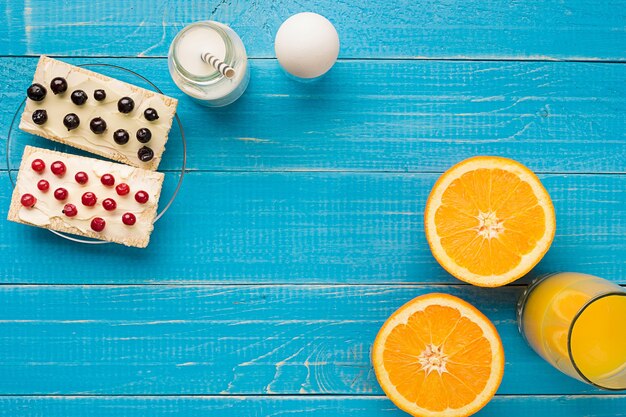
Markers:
point(299, 226)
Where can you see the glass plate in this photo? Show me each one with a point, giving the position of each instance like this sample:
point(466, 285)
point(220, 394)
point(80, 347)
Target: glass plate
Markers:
point(16, 140)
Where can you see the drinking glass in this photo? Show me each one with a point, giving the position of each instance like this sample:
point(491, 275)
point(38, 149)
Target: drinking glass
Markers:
point(577, 322)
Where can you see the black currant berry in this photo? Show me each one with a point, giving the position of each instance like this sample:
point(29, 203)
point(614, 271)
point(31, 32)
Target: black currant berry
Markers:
point(36, 92)
point(125, 105)
point(40, 117)
point(145, 154)
point(58, 85)
point(150, 114)
point(79, 97)
point(71, 121)
point(144, 135)
point(98, 125)
point(121, 137)
point(99, 95)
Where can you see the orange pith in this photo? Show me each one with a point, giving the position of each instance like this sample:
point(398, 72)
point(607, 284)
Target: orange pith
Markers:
point(438, 356)
point(489, 220)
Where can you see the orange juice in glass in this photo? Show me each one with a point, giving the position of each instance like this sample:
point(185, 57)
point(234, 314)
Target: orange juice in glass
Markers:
point(577, 323)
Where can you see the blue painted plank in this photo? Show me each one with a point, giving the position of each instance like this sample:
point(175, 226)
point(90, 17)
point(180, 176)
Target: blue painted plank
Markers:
point(308, 227)
point(392, 116)
point(156, 340)
point(577, 29)
point(311, 406)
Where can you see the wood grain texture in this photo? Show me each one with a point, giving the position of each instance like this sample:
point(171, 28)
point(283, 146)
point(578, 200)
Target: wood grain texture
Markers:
point(308, 227)
point(116, 340)
point(311, 406)
point(391, 116)
point(577, 29)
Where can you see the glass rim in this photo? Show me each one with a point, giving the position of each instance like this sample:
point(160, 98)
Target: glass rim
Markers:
point(159, 214)
point(570, 331)
point(229, 57)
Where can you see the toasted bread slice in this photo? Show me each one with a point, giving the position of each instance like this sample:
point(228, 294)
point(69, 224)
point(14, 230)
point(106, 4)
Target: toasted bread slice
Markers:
point(49, 212)
point(58, 106)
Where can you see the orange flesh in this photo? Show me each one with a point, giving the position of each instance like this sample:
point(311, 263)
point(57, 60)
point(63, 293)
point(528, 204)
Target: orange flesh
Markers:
point(488, 219)
point(462, 365)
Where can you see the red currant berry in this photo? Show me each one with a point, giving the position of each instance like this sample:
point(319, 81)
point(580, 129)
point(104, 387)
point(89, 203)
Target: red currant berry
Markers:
point(98, 224)
point(129, 219)
point(122, 189)
point(43, 185)
point(107, 180)
point(89, 199)
point(70, 210)
point(28, 200)
point(38, 165)
point(81, 177)
point(141, 197)
point(109, 204)
point(60, 194)
point(58, 168)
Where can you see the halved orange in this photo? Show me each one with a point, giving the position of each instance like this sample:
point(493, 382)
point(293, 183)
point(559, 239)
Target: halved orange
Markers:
point(438, 356)
point(489, 220)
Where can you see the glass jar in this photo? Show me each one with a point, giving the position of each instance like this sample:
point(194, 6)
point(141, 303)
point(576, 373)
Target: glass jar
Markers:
point(199, 79)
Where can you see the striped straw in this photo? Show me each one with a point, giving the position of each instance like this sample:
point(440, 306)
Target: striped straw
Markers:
point(226, 70)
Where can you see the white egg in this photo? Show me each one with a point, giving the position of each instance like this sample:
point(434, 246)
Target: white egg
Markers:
point(307, 45)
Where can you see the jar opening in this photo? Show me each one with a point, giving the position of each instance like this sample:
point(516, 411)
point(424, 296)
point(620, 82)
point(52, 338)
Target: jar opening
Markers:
point(215, 76)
